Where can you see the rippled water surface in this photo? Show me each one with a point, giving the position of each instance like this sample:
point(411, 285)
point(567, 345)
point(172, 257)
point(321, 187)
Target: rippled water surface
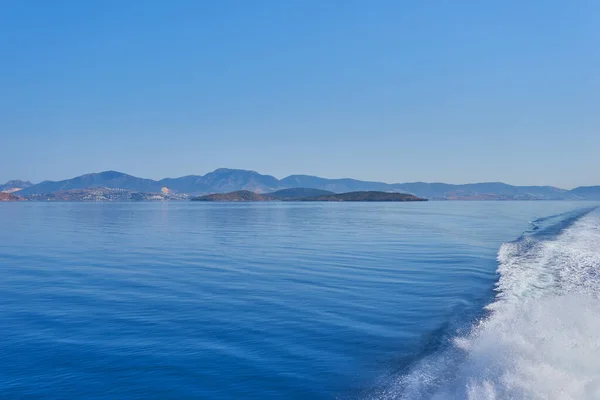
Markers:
point(287, 300)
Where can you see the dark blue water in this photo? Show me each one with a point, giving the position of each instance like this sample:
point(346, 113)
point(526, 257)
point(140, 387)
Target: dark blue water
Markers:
point(252, 301)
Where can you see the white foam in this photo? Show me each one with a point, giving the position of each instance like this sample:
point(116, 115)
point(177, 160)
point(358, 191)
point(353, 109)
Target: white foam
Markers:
point(541, 349)
point(542, 339)
point(567, 263)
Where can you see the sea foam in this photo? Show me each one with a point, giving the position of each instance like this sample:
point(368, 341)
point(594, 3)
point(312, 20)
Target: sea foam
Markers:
point(541, 339)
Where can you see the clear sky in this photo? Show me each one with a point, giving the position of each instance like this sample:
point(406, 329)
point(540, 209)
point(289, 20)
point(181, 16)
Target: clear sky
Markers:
point(452, 91)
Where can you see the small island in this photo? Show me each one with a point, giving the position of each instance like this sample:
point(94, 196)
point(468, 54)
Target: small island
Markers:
point(301, 194)
point(366, 196)
point(238, 195)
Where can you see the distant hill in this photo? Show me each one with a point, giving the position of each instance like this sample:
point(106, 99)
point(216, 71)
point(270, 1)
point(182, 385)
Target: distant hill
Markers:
point(15, 186)
point(220, 180)
point(587, 192)
point(366, 196)
point(186, 184)
point(225, 180)
point(333, 185)
point(473, 191)
point(483, 191)
point(298, 193)
point(107, 179)
point(239, 195)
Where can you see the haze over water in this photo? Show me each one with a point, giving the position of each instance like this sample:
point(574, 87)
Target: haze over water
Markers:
point(296, 300)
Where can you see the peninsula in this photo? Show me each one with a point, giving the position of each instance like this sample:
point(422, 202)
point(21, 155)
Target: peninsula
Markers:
point(9, 197)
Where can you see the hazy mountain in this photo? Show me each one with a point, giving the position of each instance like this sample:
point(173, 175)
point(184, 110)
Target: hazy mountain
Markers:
point(224, 180)
point(486, 190)
point(333, 185)
point(15, 185)
point(221, 180)
point(228, 180)
point(107, 179)
point(185, 184)
point(587, 192)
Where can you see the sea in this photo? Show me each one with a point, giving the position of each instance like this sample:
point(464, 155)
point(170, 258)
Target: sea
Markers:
point(191, 300)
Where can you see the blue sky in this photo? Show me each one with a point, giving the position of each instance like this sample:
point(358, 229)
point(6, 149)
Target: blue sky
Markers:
point(453, 91)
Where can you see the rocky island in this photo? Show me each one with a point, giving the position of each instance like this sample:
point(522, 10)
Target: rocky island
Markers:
point(238, 195)
point(302, 194)
point(366, 196)
point(9, 197)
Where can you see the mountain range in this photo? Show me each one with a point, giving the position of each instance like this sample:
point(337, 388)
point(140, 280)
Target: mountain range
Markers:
point(227, 180)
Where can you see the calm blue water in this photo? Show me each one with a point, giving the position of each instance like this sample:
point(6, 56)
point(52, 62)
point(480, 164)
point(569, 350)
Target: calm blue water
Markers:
point(289, 300)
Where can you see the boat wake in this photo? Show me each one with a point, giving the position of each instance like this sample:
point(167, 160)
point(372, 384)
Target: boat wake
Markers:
point(540, 339)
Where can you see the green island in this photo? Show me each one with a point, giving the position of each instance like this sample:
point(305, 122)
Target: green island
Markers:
point(302, 194)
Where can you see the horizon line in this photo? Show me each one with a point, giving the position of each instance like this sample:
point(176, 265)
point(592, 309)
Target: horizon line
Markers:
point(292, 175)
